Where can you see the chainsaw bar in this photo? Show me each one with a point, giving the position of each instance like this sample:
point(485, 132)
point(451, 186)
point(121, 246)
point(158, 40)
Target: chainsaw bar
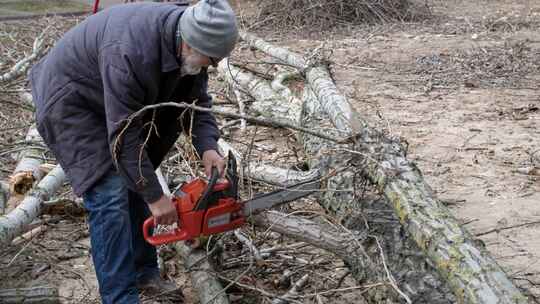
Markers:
point(282, 196)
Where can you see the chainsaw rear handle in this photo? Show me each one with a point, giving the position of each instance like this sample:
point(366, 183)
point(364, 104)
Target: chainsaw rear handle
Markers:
point(203, 202)
point(163, 238)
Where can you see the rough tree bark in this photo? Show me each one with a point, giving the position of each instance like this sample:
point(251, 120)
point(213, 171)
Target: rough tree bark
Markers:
point(268, 173)
point(472, 274)
point(346, 245)
point(405, 264)
point(268, 102)
point(325, 158)
point(15, 222)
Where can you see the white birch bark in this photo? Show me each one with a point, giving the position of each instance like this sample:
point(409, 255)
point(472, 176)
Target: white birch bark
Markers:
point(319, 79)
point(14, 223)
point(268, 102)
point(282, 54)
point(240, 98)
point(22, 66)
point(28, 169)
point(268, 173)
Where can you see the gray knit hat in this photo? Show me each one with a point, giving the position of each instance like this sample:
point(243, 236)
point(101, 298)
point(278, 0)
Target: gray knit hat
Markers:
point(210, 28)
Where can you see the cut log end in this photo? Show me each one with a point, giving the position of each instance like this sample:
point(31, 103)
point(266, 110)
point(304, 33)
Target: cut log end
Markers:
point(21, 182)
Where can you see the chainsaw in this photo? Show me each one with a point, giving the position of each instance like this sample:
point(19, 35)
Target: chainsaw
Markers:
point(207, 208)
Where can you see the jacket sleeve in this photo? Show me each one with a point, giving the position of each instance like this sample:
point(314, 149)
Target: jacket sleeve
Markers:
point(123, 96)
point(205, 132)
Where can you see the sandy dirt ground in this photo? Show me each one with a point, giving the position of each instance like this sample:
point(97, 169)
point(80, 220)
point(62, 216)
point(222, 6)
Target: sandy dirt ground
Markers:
point(461, 88)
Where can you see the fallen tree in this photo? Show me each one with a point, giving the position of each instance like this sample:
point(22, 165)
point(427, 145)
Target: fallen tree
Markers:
point(332, 164)
point(472, 274)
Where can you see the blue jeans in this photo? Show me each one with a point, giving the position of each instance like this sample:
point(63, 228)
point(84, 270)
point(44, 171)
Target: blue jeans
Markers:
point(121, 255)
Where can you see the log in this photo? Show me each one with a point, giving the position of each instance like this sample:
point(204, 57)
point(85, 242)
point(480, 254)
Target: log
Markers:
point(320, 150)
point(196, 262)
point(38, 294)
point(339, 109)
point(325, 159)
point(267, 173)
point(267, 100)
point(28, 169)
point(285, 56)
point(346, 246)
point(15, 222)
point(472, 274)
point(403, 261)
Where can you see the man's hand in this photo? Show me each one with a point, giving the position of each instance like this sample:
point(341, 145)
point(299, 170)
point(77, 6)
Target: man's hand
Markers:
point(211, 158)
point(164, 211)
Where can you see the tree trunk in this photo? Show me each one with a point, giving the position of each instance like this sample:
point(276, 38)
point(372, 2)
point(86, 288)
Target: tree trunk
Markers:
point(209, 289)
point(325, 159)
point(396, 257)
point(268, 102)
point(472, 274)
point(346, 246)
point(267, 173)
point(14, 223)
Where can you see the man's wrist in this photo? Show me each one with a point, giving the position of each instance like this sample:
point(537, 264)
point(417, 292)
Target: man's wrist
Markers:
point(151, 196)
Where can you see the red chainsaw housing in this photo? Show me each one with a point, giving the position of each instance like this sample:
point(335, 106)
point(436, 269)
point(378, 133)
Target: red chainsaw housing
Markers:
point(223, 214)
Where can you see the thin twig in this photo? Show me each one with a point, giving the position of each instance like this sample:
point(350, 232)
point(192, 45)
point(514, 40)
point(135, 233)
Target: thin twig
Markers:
point(255, 120)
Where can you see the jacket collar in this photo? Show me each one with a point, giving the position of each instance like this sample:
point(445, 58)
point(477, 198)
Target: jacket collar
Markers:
point(169, 59)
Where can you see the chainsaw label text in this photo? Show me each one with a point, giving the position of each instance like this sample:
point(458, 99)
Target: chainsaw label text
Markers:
point(219, 220)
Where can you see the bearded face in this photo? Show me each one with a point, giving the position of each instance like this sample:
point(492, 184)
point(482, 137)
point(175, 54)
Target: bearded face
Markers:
point(191, 64)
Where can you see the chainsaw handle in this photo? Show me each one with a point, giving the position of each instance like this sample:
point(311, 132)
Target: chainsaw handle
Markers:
point(177, 234)
point(202, 204)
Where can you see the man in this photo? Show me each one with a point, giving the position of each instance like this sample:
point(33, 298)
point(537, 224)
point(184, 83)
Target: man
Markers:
point(101, 72)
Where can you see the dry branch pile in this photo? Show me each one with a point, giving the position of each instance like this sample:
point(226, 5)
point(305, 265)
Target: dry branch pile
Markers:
point(507, 66)
point(324, 14)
